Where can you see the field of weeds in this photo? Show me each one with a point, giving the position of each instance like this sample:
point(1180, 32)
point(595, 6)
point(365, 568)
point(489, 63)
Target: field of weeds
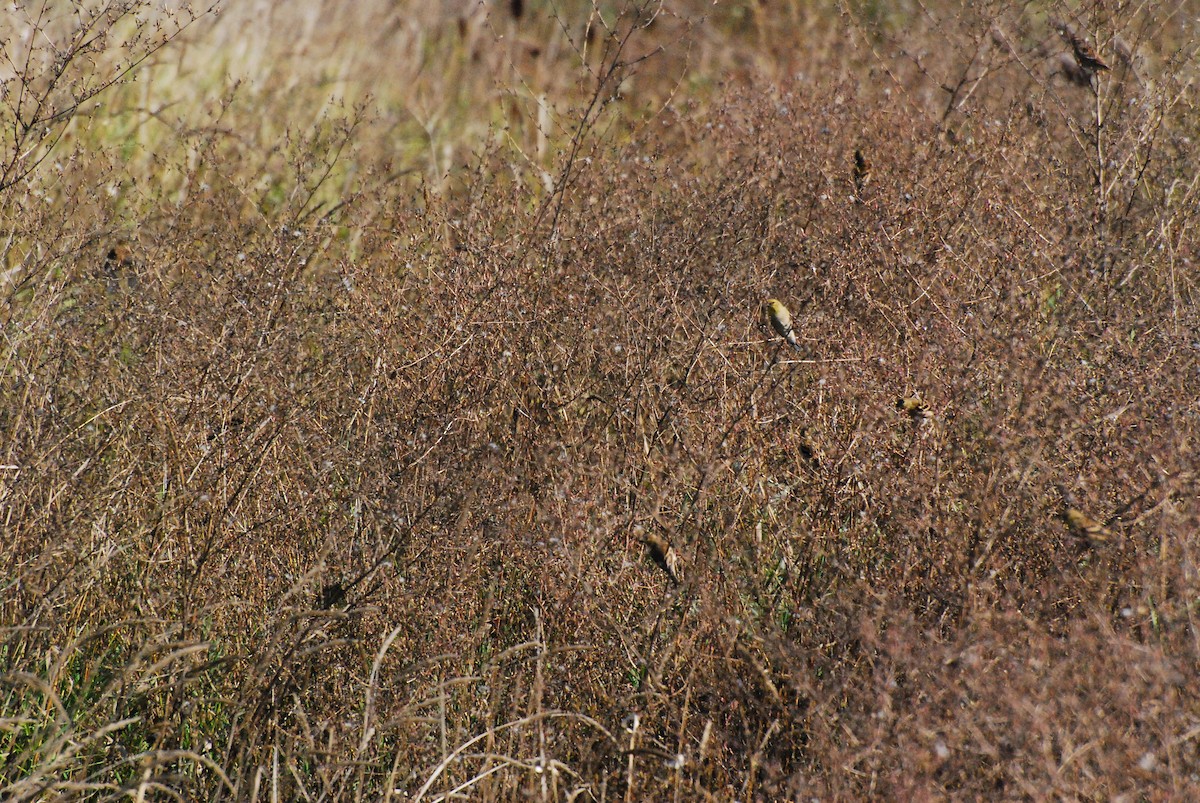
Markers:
point(389, 409)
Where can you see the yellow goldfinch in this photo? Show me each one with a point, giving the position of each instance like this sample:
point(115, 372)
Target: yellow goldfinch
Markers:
point(1085, 526)
point(781, 321)
point(1081, 524)
point(665, 556)
point(913, 407)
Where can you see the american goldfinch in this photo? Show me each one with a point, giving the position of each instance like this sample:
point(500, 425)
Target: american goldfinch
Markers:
point(781, 321)
point(665, 556)
point(1081, 524)
point(913, 407)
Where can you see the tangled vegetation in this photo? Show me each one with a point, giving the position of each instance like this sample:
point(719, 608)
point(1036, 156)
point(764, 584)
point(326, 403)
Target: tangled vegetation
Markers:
point(390, 412)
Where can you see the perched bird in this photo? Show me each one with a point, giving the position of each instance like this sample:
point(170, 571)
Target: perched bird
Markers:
point(913, 407)
point(862, 171)
point(1085, 56)
point(1081, 524)
point(119, 256)
point(808, 449)
point(1085, 526)
point(120, 268)
point(1071, 70)
point(781, 321)
point(665, 556)
point(332, 595)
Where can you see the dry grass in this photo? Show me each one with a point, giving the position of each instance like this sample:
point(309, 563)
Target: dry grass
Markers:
point(342, 404)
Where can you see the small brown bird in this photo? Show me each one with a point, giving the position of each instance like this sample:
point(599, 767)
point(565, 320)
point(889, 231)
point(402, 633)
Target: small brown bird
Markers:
point(1071, 70)
point(119, 256)
point(332, 595)
point(808, 449)
point(665, 556)
point(913, 407)
point(1081, 524)
point(119, 268)
point(1085, 56)
point(862, 171)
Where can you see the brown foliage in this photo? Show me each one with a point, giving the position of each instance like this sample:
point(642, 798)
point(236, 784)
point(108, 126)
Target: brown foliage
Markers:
point(344, 510)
